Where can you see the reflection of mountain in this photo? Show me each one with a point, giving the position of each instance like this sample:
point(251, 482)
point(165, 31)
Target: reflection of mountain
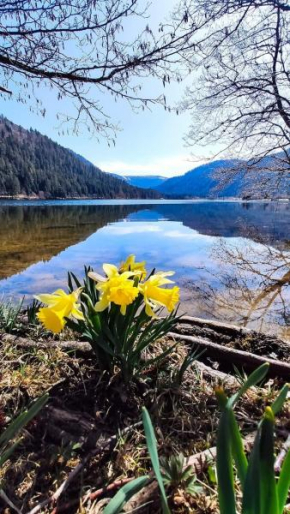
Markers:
point(270, 221)
point(30, 234)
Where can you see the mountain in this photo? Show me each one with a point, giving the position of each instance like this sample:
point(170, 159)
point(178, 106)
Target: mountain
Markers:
point(200, 182)
point(145, 181)
point(31, 164)
point(230, 178)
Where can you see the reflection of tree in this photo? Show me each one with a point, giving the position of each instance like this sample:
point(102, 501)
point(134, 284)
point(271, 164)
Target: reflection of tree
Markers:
point(252, 285)
point(229, 219)
point(29, 234)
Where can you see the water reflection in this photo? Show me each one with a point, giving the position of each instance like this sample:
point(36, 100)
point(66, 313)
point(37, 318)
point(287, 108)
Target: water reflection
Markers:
point(251, 287)
point(231, 259)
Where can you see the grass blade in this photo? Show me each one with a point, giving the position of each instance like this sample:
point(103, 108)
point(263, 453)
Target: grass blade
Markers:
point(283, 485)
point(225, 474)
point(251, 497)
point(278, 403)
point(238, 449)
point(269, 499)
point(22, 420)
point(252, 380)
point(124, 495)
point(152, 448)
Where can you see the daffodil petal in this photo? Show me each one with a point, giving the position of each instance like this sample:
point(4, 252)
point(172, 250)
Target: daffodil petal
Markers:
point(60, 292)
point(76, 313)
point(102, 305)
point(47, 299)
point(96, 277)
point(110, 270)
point(165, 273)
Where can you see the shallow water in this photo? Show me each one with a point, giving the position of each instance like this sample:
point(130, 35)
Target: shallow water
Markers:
point(232, 259)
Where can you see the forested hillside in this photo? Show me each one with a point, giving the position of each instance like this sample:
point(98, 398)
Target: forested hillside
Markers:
point(230, 178)
point(33, 164)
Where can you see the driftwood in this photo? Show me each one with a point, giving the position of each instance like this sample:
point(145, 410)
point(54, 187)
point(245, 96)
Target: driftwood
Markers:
point(210, 330)
point(215, 330)
point(218, 326)
point(236, 357)
point(22, 342)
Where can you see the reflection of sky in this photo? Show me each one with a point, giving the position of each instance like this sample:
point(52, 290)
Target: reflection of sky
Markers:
point(166, 245)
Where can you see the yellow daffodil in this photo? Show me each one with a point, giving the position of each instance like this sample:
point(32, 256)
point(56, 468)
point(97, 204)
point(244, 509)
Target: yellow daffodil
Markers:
point(118, 289)
point(60, 305)
point(155, 296)
point(137, 267)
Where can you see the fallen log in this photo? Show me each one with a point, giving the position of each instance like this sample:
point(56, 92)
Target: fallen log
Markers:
point(231, 330)
point(215, 350)
point(80, 347)
point(216, 325)
point(235, 357)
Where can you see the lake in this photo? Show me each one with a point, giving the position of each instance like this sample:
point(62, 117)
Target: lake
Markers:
point(232, 259)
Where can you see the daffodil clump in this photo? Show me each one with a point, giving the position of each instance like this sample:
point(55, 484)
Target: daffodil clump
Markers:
point(117, 312)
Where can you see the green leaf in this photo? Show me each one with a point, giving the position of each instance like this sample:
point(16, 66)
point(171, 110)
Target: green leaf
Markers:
point(226, 490)
point(124, 495)
point(238, 448)
point(22, 420)
point(269, 498)
point(71, 277)
point(152, 449)
point(251, 497)
point(283, 485)
point(7, 453)
point(278, 403)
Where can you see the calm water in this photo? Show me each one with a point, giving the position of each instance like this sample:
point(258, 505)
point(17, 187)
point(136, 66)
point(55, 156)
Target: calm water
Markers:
point(232, 260)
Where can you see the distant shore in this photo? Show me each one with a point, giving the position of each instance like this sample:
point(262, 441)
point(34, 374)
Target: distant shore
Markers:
point(34, 198)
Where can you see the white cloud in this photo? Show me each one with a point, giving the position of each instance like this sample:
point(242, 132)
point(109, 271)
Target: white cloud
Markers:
point(167, 166)
point(133, 228)
point(183, 235)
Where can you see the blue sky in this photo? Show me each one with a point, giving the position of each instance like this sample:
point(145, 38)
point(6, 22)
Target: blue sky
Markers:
point(149, 142)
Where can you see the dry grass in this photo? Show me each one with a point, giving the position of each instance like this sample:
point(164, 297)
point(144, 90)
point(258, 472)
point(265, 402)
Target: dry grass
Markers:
point(185, 419)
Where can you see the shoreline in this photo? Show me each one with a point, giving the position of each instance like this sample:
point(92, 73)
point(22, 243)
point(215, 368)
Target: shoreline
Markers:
point(32, 199)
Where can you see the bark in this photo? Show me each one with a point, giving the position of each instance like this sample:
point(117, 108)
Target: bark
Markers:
point(247, 360)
